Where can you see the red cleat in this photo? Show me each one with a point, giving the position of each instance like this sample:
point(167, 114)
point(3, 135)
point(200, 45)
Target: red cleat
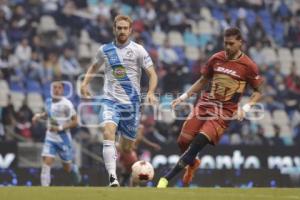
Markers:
point(189, 172)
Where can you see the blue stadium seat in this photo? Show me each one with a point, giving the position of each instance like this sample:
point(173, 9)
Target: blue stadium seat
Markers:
point(33, 86)
point(16, 87)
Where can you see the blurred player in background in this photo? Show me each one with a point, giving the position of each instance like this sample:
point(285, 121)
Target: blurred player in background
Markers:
point(227, 73)
point(124, 60)
point(61, 117)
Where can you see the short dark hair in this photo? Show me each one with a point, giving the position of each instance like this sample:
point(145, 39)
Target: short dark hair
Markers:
point(233, 31)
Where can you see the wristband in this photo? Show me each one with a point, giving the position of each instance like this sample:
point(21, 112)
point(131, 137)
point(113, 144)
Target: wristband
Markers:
point(60, 128)
point(184, 96)
point(246, 107)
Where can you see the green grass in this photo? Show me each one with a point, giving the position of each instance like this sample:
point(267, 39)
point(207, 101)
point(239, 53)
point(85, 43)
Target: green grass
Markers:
point(103, 193)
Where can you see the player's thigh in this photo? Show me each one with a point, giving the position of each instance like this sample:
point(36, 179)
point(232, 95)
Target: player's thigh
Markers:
point(129, 123)
point(49, 152)
point(48, 160)
point(213, 130)
point(109, 112)
point(191, 127)
point(65, 152)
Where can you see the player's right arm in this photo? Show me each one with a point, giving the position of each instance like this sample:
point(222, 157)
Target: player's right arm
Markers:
point(195, 88)
point(38, 116)
point(207, 73)
point(92, 70)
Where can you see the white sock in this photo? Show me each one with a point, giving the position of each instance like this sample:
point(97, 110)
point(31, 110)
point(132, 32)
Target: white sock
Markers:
point(45, 175)
point(110, 157)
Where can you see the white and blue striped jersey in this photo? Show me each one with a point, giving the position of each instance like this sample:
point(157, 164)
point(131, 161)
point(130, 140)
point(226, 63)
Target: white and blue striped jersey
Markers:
point(123, 70)
point(59, 113)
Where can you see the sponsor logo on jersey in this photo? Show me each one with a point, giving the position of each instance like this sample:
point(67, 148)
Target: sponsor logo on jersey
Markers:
point(226, 71)
point(119, 72)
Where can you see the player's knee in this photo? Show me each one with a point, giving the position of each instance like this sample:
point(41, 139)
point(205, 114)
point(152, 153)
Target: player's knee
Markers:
point(67, 167)
point(108, 134)
point(47, 161)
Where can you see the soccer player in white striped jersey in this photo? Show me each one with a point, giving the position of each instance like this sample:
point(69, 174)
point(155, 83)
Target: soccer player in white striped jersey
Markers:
point(61, 117)
point(124, 60)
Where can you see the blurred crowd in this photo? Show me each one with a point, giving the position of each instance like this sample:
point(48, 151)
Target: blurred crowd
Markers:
point(46, 40)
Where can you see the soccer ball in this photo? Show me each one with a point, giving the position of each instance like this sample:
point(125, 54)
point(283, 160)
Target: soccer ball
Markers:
point(142, 171)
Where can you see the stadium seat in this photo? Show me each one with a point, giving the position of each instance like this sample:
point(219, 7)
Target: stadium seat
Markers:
point(204, 39)
point(33, 86)
point(85, 37)
point(285, 131)
point(4, 93)
point(194, 26)
point(158, 37)
point(47, 24)
point(84, 52)
point(205, 13)
point(296, 57)
point(16, 87)
point(285, 67)
point(192, 53)
point(267, 119)
point(295, 119)
point(285, 59)
point(17, 99)
point(175, 39)
point(94, 48)
point(268, 131)
point(190, 39)
point(284, 54)
point(250, 17)
point(205, 27)
point(35, 102)
point(280, 117)
point(270, 54)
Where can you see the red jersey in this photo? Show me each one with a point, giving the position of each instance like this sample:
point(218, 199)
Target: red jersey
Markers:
point(229, 78)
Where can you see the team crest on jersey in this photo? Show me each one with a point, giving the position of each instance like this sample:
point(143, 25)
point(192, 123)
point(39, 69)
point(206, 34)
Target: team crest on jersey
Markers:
point(119, 72)
point(129, 53)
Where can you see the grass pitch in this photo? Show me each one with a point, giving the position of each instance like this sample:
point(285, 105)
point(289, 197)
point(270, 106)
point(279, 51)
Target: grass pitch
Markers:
point(105, 193)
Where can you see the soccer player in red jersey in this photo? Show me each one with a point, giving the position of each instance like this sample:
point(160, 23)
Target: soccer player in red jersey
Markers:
point(227, 73)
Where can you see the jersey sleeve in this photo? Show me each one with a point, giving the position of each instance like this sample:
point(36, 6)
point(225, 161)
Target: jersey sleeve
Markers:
point(207, 69)
point(99, 58)
point(145, 59)
point(253, 76)
point(72, 109)
point(48, 103)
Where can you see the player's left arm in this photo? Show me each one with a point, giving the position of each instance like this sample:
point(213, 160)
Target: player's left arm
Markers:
point(71, 124)
point(256, 82)
point(150, 71)
point(256, 95)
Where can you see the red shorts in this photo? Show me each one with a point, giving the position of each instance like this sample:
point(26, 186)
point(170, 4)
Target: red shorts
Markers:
point(206, 120)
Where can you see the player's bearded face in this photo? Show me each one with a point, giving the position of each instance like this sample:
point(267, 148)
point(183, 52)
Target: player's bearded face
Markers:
point(122, 31)
point(232, 45)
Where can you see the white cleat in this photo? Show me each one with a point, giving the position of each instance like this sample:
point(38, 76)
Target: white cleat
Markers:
point(113, 182)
